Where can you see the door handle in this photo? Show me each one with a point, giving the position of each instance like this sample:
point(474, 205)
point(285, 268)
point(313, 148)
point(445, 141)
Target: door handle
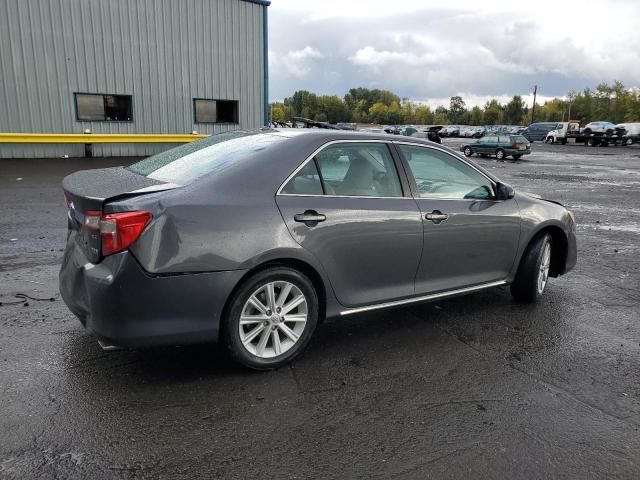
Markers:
point(436, 216)
point(309, 216)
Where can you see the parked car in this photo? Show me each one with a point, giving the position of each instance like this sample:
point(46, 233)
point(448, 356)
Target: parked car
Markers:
point(253, 238)
point(471, 132)
point(631, 132)
point(538, 131)
point(599, 127)
point(478, 132)
point(450, 131)
point(465, 132)
point(499, 145)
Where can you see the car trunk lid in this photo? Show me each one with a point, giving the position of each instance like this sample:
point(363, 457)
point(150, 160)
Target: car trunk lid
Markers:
point(86, 193)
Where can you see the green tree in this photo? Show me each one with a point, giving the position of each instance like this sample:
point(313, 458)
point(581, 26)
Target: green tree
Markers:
point(514, 110)
point(441, 116)
point(423, 115)
point(408, 112)
point(333, 109)
point(492, 112)
point(277, 113)
point(303, 103)
point(477, 116)
point(378, 113)
point(457, 109)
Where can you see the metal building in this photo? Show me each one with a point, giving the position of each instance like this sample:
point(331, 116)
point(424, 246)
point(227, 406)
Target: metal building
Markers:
point(130, 66)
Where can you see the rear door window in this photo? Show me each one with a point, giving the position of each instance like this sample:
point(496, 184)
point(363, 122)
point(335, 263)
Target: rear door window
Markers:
point(359, 169)
point(305, 182)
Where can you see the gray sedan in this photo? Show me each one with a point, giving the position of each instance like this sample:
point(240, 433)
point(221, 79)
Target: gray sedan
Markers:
point(253, 238)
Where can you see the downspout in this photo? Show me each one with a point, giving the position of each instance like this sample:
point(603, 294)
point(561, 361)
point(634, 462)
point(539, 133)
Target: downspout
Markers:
point(265, 59)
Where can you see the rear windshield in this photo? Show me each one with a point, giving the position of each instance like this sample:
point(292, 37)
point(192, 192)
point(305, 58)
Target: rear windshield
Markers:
point(188, 162)
point(519, 139)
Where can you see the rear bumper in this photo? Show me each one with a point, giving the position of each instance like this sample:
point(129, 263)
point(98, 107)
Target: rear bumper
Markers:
point(515, 151)
point(124, 306)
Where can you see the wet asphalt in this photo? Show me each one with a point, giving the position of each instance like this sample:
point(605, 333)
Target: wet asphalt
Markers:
point(475, 387)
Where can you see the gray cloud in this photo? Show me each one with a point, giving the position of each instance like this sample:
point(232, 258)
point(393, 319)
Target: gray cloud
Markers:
point(437, 52)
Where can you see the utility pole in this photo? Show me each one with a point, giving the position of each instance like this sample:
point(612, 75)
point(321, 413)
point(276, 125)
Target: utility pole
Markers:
point(533, 109)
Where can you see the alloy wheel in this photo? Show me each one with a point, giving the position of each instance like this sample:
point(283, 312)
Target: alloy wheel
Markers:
point(273, 319)
point(545, 263)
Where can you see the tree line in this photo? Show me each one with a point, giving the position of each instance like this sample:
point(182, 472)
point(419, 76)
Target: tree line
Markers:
point(614, 103)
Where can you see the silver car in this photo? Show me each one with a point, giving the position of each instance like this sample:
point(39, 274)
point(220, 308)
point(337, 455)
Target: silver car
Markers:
point(254, 238)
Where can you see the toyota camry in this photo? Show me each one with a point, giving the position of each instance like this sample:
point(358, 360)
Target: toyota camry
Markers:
point(253, 238)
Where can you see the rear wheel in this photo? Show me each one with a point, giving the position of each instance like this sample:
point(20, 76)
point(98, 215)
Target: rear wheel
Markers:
point(500, 154)
point(271, 318)
point(467, 151)
point(533, 272)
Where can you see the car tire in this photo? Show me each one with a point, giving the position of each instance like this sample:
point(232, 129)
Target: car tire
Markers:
point(467, 151)
point(591, 142)
point(550, 140)
point(533, 272)
point(277, 340)
point(500, 154)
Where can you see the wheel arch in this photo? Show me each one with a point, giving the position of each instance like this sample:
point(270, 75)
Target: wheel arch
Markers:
point(559, 250)
point(294, 263)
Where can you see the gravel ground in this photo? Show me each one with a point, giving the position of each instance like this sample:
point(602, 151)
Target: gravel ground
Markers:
point(475, 387)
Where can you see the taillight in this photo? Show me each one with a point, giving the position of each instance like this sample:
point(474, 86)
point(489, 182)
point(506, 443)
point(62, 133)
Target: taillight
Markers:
point(120, 230)
point(92, 219)
point(117, 230)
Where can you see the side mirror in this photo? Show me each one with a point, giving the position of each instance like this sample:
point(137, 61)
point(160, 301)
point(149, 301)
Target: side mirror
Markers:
point(504, 191)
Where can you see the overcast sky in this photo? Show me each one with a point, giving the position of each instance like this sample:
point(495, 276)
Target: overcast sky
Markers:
point(430, 50)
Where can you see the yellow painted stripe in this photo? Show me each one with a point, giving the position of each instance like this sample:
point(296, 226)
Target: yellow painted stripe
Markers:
point(98, 138)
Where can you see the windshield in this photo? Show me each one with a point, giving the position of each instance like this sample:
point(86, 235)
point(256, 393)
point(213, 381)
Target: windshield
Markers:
point(188, 162)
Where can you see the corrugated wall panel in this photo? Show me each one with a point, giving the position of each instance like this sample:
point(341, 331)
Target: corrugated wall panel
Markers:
point(162, 52)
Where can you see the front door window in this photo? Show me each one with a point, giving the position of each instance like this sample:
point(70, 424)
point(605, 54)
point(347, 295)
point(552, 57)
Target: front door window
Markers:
point(440, 175)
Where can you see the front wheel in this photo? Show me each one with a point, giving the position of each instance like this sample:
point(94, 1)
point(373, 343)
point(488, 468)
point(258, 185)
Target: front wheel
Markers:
point(271, 318)
point(467, 151)
point(500, 154)
point(533, 272)
point(550, 140)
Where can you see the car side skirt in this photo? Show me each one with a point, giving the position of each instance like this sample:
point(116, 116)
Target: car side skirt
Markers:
point(423, 298)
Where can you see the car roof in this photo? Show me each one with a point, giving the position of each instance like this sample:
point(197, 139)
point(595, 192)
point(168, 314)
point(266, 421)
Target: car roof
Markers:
point(327, 135)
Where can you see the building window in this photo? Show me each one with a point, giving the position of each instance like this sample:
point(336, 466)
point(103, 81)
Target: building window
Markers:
point(215, 111)
point(95, 107)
